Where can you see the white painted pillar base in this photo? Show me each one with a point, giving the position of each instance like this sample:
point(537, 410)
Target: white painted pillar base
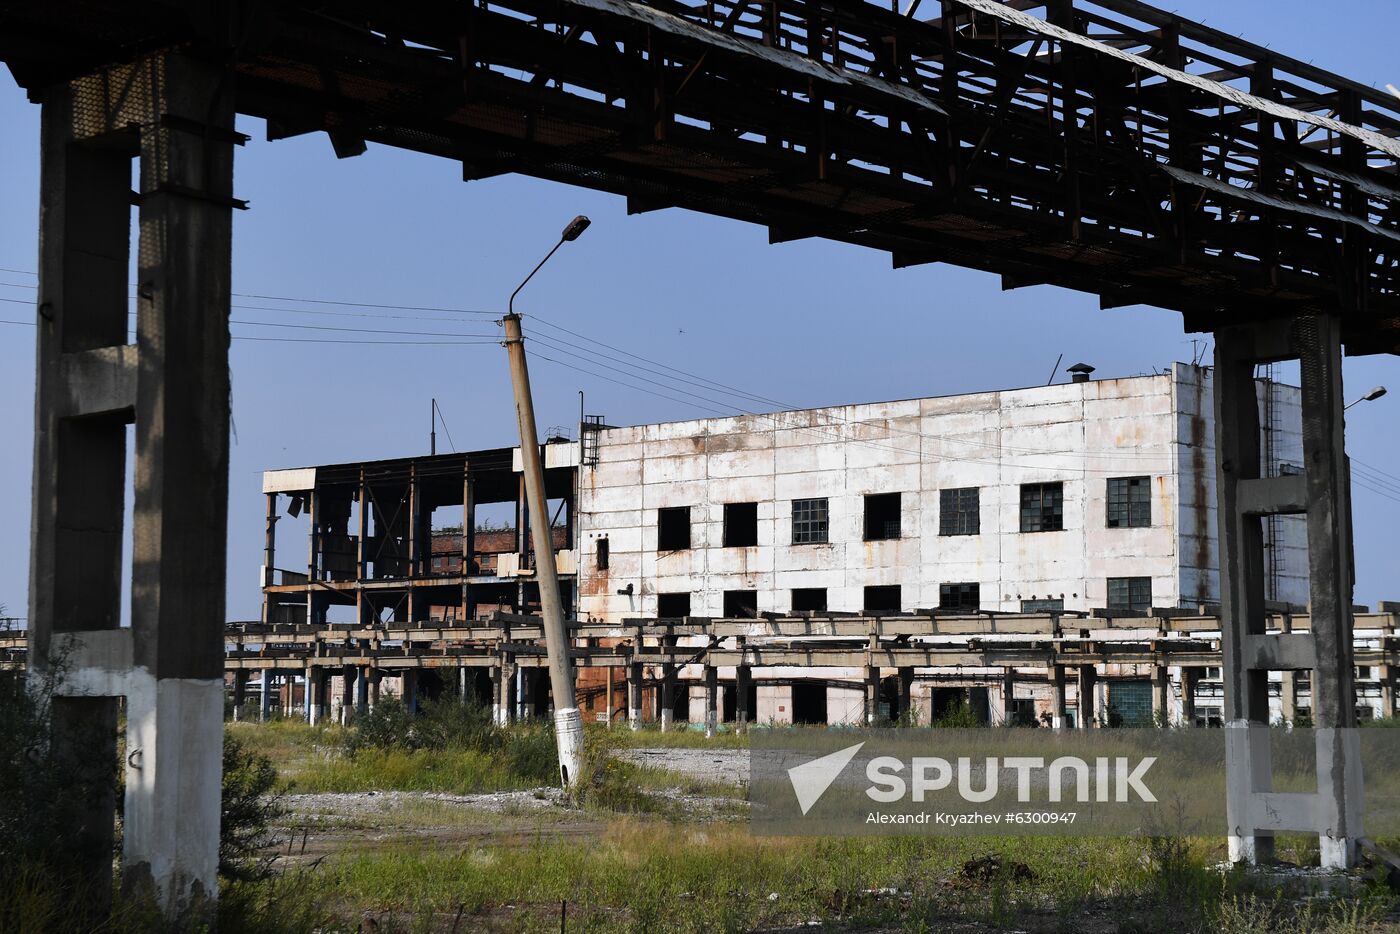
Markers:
point(666, 718)
point(568, 735)
point(634, 718)
point(174, 741)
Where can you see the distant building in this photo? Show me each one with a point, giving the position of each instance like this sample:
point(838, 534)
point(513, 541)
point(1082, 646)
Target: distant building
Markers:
point(1092, 494)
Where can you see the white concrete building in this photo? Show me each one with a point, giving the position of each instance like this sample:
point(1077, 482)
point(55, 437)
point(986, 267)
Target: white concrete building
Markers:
point(1089, 494)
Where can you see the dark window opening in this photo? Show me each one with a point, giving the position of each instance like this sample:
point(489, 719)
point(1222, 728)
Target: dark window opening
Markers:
point(1130, 593)
point(602, 555)
point(1042, 507)
point(881, 600)
point(1129, 502)
point(959, 596)
point(809, 521)
point(740, 525)
point(673, 528)
point(1042, 606)
point(959, 511)
point(672, 605)
point(809, 702)
point(809, 599)
point(741, 604)
point(881, 517)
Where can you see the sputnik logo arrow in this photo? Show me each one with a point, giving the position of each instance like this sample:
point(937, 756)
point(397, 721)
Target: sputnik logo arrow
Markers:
point(811, 779)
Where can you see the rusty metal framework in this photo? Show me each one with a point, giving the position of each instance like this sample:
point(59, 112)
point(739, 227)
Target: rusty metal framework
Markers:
point(1103, 146)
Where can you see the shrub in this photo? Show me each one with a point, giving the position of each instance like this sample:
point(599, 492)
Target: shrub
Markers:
point(249, 810)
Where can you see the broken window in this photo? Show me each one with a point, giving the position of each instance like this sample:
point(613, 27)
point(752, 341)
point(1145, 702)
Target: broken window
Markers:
point(809, 521)
point(1130, 593)
point(809, 599)
point(601, 558)
point(672, 605)
point(740, 525)
point(959, 511)
point(1129, 502)
point(741, 604)
point(673, 528)
point(1042, 507)
point(881, 517)
point(1042, 606)
point(881, 600)
point(960, 596)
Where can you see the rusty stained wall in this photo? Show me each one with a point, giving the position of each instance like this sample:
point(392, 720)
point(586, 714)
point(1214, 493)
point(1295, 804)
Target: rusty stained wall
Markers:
point(1196, 520)
point(1077, 433)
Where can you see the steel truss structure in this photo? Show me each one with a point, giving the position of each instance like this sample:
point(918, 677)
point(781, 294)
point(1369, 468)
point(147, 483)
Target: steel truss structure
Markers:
point(1108, 146)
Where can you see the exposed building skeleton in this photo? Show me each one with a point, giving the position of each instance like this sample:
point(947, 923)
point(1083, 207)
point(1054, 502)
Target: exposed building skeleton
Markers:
point(1107, 146)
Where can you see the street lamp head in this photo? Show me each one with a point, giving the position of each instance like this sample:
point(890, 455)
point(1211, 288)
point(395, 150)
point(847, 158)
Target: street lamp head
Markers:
point(576, 227)
point(1374, 394)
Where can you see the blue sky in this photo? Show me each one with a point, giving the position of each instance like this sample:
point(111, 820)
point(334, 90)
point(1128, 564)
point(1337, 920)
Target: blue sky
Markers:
point(808, 323)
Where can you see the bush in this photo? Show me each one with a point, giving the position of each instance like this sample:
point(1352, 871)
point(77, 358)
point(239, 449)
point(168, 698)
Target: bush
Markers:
point(249, 810)
point(526, 750)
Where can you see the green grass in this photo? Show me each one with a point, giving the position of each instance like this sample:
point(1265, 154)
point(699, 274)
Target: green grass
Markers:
point(651, 737)
point(459, 771)
point(643, 875)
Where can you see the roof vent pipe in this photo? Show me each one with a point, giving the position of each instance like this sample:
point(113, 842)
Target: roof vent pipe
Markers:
point(1079, 373)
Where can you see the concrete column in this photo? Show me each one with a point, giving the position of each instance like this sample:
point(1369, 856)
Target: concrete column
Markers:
point(743, 677)
point(410, 689)
point(1161, 696)
point(78, 494)
point(1190, 678)
point(1057, 697)
point(366, 690)
point(1242, 609)
point(180, 520)
point(1327, 479)
point(465, 684)
point(906, 696)
point(1088, 713)
point(503, 690)
point(634, 695)
point(668, 696)
point(711, 700)
point(1387, 678)
point(872, 695)
point(1288, 696)
point(1008, 696)
point(265, 694)
point(309, 699)
point(240, 692)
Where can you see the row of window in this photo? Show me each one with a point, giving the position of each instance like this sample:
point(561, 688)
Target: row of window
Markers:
point(1124, 593)
point(1129, 505)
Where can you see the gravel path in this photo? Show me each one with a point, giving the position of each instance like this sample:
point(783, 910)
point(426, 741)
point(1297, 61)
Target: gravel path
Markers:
point(724, 766)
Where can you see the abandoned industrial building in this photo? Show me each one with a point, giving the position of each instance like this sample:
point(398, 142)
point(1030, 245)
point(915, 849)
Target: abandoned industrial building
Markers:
point(1042, 521)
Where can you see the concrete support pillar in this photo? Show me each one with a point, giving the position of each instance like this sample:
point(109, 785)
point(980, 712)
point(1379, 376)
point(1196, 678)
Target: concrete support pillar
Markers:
point(180, 518)
point(240, 692)
point(906, 696)
point(1057, 697)
point(1088, 712)
point(1246, 492)
point(465, 684)
point(265, 694)
point(1288, 696)
point(310, 700)
point(743, 678)
point(410, 689)
point(503, 691)
point(712, 714)
point(349, 676)
point(872, 695)
point(668, 696)
point(1008, 696)
point(1387, 679)
point(634, 695)
point(1161, 696)
point(1190, 679)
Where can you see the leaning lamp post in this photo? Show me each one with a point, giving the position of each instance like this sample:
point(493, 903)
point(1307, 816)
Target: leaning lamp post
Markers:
point(568, 722)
